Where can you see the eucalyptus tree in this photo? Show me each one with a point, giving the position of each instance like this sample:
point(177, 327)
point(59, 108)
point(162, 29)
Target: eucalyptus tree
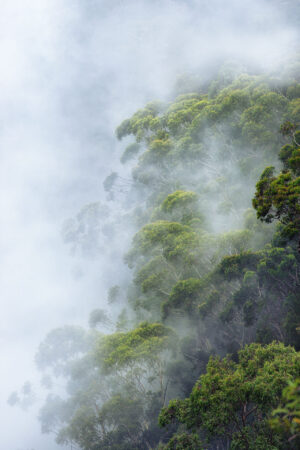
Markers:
point(234, 400)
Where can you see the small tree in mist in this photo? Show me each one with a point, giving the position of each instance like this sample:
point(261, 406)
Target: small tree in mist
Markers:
point(24, 398)
point(98, 318)
point(62, 346)
point(138, 356)
point(116, 385)
point(84, 231)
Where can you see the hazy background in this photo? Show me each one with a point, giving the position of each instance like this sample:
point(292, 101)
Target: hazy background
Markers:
point(70, 72)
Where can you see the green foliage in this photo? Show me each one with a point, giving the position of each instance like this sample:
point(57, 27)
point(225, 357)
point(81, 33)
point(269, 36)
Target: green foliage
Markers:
point(164, 252)
point(202, 262)
point(209, 303)
point(232, 266)
point(123, 323)
point(277, 197)
point(234, 398)
point(181, 205)
point(183, 441)
point(182, 297)
point(143, 122)
point(244, 114)
point(177, 243)
point(286, 418)
point(110, 398)
point(141, 345)
point(130, 152)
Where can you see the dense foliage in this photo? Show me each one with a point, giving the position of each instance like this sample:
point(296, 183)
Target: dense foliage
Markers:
point(233, 400)
point(287, 416)
point(209, 278)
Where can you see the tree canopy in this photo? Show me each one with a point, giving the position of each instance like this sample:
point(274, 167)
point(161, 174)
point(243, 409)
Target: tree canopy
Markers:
point(205, 318)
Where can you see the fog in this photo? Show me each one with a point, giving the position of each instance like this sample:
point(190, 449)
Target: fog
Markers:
point(71, 72)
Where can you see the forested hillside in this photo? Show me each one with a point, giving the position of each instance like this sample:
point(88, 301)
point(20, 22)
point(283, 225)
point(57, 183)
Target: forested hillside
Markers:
point(205, 338)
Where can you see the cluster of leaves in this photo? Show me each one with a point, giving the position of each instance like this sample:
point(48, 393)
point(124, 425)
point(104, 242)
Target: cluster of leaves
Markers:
point(115, 389)
point(201, 138)
point(202, 265)
point(232, 400)
point(277, 197)
point(287, 416)
point(183, 441)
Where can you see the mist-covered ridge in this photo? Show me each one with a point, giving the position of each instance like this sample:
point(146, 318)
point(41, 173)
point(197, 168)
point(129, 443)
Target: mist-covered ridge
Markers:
point(207, 278)
point(151, 241)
